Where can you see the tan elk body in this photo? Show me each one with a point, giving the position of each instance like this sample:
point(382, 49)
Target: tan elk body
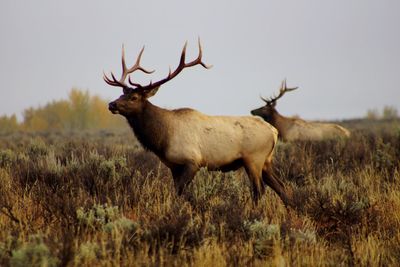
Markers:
point(186, 140)
point(292, 129)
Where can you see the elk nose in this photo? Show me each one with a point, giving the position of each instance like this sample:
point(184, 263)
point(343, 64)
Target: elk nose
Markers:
point(252, 112)
point(112, 106)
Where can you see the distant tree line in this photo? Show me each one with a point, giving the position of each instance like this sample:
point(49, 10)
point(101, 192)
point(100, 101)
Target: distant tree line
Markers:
point(388, 113)
point(81, 111)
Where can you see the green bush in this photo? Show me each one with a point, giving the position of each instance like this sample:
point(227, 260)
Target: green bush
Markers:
point(34, 253)
point(7, 157)
point(265, 236)
point(105, 218)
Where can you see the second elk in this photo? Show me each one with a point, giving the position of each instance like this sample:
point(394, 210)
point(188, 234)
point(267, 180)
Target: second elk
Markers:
point(292, 129)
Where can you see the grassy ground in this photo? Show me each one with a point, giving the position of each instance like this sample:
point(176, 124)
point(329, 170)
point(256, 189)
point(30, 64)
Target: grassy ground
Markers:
point(98, 199)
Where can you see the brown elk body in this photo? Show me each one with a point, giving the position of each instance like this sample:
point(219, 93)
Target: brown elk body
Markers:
point(186, 140)
point(291, 129)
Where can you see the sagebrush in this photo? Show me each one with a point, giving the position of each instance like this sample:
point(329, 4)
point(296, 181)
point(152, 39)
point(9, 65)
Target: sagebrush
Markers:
point(98, 199)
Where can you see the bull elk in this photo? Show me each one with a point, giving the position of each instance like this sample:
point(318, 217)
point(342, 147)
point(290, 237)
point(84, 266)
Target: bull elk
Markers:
point(186, 140)
point(291, 129)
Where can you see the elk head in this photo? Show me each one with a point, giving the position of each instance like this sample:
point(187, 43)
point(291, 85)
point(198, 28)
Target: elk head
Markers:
point(135, 95)
point(268, 111)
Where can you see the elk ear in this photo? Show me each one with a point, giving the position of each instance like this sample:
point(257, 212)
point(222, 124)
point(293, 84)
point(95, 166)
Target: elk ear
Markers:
point(273, 104)
point(150, 93)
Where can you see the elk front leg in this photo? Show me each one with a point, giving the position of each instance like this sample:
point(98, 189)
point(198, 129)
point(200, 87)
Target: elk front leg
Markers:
point(255, 178)
point(183, 175)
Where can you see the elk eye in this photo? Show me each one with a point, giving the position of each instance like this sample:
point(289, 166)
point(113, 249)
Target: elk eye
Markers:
point(134, 97)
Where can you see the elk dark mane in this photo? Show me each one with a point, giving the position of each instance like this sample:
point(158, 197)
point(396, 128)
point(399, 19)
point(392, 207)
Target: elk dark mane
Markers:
point(149, 128)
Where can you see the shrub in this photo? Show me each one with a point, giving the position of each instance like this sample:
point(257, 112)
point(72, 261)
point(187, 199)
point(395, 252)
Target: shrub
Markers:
point(105, 218)
point(337, 206)
point(34, 253)
point(345, 195)
point(7, 157)
point(265, 236)
point(87, 254)
point(37, 148)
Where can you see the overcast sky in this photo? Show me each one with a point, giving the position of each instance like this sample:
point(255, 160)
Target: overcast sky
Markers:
point(344, 55)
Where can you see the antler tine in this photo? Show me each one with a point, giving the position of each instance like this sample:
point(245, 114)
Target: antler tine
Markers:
point(285, 88)
point(137, 64)
point(123, 60)
point(113, 81)
point(201, 55)
point(283, 85)
point(198, 60)
point(265, 100)
point(138, 85)
point(183, 56)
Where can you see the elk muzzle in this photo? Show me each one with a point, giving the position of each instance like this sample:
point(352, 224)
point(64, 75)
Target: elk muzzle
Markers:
point(256, 112)
point(112, 106)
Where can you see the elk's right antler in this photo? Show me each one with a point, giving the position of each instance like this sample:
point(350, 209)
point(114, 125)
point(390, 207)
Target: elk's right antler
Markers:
point(126, 71)
point(282, 91)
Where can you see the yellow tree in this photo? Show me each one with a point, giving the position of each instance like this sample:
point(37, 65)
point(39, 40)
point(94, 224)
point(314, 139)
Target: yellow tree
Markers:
point(79, 104)
point(8, 124)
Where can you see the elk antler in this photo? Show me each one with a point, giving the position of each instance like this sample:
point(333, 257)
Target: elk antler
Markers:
point(282, 91)
point(126, 71)
point(172, 75)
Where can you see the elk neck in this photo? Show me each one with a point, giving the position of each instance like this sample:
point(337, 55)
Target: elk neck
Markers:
point(150, 127)
point(281, 123)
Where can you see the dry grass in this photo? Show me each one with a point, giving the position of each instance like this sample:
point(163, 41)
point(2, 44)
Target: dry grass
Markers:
point(99, 200)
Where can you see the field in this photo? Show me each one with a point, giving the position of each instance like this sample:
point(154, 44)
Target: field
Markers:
point(98, 199)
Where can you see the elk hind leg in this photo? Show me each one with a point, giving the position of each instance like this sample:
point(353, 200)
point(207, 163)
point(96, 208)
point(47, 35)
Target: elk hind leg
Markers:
point(275, 183)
